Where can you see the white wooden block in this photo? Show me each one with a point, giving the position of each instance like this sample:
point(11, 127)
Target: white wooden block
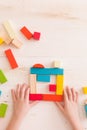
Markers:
point(33, 83)
point(16, 42)
point(9, 29)
point(56, 64)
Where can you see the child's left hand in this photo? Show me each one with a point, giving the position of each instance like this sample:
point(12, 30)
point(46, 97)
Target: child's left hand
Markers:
point(21, 101)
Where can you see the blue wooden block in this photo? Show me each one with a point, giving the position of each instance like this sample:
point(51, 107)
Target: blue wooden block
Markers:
point(43, 78)
point(86, 108)
point(0, 92)
point(47, 71)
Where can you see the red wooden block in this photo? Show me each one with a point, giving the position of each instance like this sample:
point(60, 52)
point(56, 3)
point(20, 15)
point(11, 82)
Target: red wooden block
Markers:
point(11, 58)
point(51, 97)
point(52, 87)
point(35, 97)
point(26, 33)
point(38, 66)
point(36, 35)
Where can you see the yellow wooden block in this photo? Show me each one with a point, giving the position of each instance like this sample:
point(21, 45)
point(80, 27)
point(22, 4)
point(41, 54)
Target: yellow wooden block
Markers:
point(56, 64)
point(17, 43)
point(1, 41)
point(85, 90)
point(59, 84)
point(33, 83)
point(9, 29)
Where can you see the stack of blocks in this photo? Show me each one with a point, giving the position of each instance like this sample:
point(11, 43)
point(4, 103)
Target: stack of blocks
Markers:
point(43, 75)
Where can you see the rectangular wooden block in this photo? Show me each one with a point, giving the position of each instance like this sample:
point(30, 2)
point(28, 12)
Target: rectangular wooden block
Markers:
point(52, 87)
point(56, 64)
point(50, 97)
point(0, 92)
point(17, 43)
point(59, 84)
point(26, 33)
point(9, 29)
point(3, 78)
point(33, 83)
point(43, 78)
point(34, 97)
point(1, 41)
point(11, 58)
point(84, 90)
point(47, 71)
point(3, 109)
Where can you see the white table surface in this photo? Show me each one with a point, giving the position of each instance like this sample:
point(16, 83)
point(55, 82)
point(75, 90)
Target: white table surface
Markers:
point(63, 27)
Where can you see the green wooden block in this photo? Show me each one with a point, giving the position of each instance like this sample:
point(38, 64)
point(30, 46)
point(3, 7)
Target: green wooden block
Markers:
point(3, 109)
point(3, 78)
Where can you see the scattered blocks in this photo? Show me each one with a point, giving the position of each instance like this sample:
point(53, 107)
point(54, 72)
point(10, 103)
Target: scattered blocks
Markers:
point(85, 90)
point(9, 29)
point(26, 33)
point(52, 87)
point(47, 71)
point(1, 41)
point(11, 58)
point(3, 78)
point(43, 78)
point(36, 35)
point(59, 84)
point(56, 64)
point(38, 66)
point(3, 109)
point(33, 83)
point(34, 97)
point(16, 43)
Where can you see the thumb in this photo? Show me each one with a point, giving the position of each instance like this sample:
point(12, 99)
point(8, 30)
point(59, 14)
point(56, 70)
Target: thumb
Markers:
point(60, 106)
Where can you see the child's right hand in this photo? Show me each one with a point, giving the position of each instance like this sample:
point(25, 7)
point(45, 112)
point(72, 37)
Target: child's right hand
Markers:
point(70, 108)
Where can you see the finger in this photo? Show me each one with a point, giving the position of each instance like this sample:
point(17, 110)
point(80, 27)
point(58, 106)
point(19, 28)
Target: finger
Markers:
point(13, 95)
point(60, 106)
point(18, 91)
point(73, 94)
point(65, 94)
point(33, 103)
point(22, 91)
point(77, 96)
point(69, 93)
point(26, 96)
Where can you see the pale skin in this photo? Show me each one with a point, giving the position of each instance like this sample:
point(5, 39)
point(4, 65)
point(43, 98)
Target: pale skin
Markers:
point(22, 106)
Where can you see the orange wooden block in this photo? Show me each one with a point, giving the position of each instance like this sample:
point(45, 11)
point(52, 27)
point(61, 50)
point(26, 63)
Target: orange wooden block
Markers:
point(26, 33)
point(38, 66)
point(11, 58)
point(51, 97)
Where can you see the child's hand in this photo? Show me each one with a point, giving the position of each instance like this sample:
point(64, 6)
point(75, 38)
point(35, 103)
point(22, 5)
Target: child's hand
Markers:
point(70, 108)
point(21, 101)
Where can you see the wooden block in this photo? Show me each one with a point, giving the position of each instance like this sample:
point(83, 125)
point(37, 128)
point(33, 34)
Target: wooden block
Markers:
point(3, 78)
point(26, 33)
point(38, 66)
point(9, 29)
point(85, 90)
point(52, 87)
point(0, 92)
point(47, 71)
point(43, 78)
point(34, 97)
point(56, 64)
point(36, 35)
point(17, 43)
point(1, 41)
point(59, 84)
point(11, 58)
point(51, 97)
point(3, 109)
point(33, 83)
